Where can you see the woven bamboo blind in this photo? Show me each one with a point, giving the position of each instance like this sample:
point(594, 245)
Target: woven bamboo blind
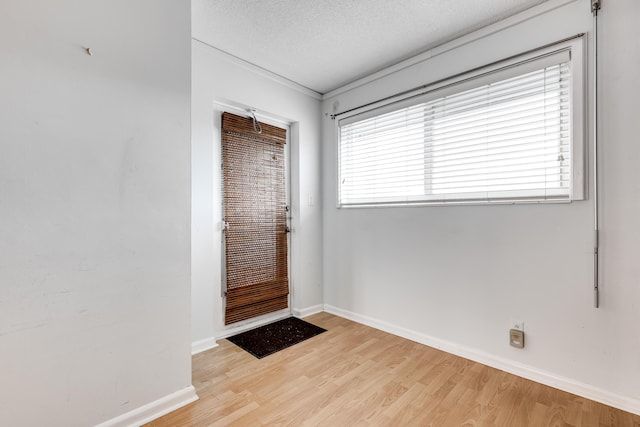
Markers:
point(256, 213)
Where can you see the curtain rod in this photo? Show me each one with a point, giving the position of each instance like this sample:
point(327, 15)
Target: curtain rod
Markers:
point(428, 85)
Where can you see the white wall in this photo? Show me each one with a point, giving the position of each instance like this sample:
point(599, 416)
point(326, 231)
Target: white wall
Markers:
point(94, 208)
point(219, 78)
point(455, 276)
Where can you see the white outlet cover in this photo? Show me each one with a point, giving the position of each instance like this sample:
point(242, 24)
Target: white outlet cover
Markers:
point(517, 324)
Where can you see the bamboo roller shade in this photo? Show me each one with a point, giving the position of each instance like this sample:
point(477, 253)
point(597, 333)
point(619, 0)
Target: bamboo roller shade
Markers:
point(255, 208)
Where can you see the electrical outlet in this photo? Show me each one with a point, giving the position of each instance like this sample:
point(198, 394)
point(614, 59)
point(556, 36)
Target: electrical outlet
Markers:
point(518, 325)
point(516, 338)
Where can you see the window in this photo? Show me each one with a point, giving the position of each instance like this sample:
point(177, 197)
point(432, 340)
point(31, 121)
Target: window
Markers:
point(508, 134)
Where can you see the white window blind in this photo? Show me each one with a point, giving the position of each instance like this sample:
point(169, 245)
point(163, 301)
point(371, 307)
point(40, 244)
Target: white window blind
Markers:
point(504, 137)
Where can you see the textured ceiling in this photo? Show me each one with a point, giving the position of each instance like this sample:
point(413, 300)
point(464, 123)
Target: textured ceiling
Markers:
point(325, 44)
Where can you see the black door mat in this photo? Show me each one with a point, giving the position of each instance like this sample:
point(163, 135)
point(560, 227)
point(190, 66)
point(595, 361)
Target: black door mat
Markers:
point(271, 338)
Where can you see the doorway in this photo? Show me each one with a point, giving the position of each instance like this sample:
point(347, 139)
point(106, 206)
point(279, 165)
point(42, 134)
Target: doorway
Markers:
point(255, 211)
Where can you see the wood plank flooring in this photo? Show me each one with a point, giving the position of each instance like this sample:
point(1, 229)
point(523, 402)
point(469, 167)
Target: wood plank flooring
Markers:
point(354, 375)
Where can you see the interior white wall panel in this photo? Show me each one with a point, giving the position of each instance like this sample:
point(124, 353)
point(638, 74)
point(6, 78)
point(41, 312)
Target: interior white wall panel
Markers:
point(94, 208)
point(461, 274)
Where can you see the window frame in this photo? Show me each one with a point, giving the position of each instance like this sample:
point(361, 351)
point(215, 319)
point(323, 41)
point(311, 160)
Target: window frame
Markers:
point(498, 71)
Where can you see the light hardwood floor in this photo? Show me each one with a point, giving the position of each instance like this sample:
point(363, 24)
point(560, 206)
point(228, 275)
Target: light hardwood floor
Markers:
point(354, 375)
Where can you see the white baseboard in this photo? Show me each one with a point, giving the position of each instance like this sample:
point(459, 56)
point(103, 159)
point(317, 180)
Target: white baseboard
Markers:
point(253, 323)
point(153, 410)
point(209, 343)
point(304, 312)
point(203, 345)
point(519, 369)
